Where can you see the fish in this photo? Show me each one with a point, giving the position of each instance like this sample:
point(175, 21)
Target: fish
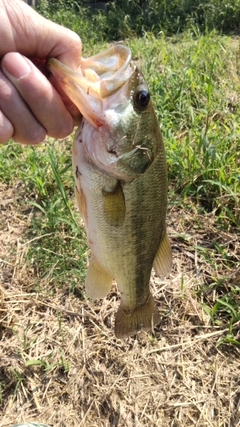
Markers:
point(120, 170)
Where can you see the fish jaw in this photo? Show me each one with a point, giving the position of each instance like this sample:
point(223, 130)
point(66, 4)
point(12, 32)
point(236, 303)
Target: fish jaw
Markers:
point(115, 59)
point(75, 85)
point(98, 79)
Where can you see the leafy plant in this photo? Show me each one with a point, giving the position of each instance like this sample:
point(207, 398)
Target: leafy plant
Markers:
point(134, 17)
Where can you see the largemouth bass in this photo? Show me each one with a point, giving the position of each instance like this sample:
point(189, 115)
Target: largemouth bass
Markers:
point(120, 174)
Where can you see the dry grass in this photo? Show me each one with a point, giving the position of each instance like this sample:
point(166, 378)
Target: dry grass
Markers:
point(61, 364)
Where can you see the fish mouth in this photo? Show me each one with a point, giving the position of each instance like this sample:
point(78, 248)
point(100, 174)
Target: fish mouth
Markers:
point(98, 78)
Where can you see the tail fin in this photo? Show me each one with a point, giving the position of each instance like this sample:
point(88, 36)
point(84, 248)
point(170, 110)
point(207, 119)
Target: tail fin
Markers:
point(141, 318)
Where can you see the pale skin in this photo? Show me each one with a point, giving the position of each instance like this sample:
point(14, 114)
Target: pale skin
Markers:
point(30, 106)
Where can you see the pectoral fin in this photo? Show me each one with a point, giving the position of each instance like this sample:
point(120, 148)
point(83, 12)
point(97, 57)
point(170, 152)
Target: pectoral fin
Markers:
point(114, 205)
point(163, 260)
point(98, 283)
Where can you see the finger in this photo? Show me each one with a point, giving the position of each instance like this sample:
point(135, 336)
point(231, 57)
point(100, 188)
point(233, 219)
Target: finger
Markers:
point(29, 33)
point(72, 109)
point(6, 128)
point(26, 128)
point(37, 92)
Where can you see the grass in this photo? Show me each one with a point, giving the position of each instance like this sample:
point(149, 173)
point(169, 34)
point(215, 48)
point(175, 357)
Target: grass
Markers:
point(57, 341)
point(199, 116)
point(119, 20)
point(45, 178)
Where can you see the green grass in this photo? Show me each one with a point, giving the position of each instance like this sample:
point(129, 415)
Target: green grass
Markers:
point(196, 92)
point(195, 88)
point(126, 18)
point(57, 243)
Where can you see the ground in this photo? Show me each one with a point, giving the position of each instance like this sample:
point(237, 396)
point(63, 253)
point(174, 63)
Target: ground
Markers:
point(61, 364)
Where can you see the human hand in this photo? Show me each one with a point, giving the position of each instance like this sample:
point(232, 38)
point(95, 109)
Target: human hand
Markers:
point(30, 107)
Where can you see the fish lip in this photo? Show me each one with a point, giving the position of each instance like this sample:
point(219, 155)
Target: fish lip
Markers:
point(118, 64)
point(88, 95)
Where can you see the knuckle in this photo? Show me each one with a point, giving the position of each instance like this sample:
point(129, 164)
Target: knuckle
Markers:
point(43, 90)
point(5, 136)
point(6, 128)
point(77, 41)
point(74, 39)
point(34, 137)
point(5, 90)
point(62, 130)
point(37, 137)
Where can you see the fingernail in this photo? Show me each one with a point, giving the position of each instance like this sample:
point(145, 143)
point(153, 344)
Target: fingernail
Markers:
point(16, 65)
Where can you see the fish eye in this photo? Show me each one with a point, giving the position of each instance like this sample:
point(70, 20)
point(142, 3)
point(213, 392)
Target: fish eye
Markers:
point(141, 98)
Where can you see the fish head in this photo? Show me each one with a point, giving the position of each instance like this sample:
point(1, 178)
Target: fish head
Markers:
point(120, 131)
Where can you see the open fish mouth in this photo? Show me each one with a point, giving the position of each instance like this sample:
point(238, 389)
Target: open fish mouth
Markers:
point(98, 78)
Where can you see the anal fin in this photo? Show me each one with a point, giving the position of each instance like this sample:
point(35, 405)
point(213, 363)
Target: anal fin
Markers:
point(98, 283)
point(163, 260)
point(144, 317)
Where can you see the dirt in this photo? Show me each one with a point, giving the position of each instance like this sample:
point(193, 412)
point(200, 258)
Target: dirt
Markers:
point(60, 363)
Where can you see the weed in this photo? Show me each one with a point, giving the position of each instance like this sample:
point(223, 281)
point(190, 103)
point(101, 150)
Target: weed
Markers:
point(47, 364)
point(17, 378)
point(56, 243)
point(130, 18)
point(24, 342)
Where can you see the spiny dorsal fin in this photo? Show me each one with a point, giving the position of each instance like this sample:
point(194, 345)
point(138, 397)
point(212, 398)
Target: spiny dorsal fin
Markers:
point(98, 283)
point(114, 205)
point(163, 260)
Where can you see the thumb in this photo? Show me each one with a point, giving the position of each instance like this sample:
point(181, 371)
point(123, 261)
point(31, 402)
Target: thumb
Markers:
point(30, 34)
point(62, 43)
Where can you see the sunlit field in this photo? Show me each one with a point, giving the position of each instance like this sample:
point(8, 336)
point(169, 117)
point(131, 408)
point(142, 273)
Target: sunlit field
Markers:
point(60, 362)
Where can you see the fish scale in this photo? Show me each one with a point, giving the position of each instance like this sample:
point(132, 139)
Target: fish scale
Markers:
point(120, 172)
